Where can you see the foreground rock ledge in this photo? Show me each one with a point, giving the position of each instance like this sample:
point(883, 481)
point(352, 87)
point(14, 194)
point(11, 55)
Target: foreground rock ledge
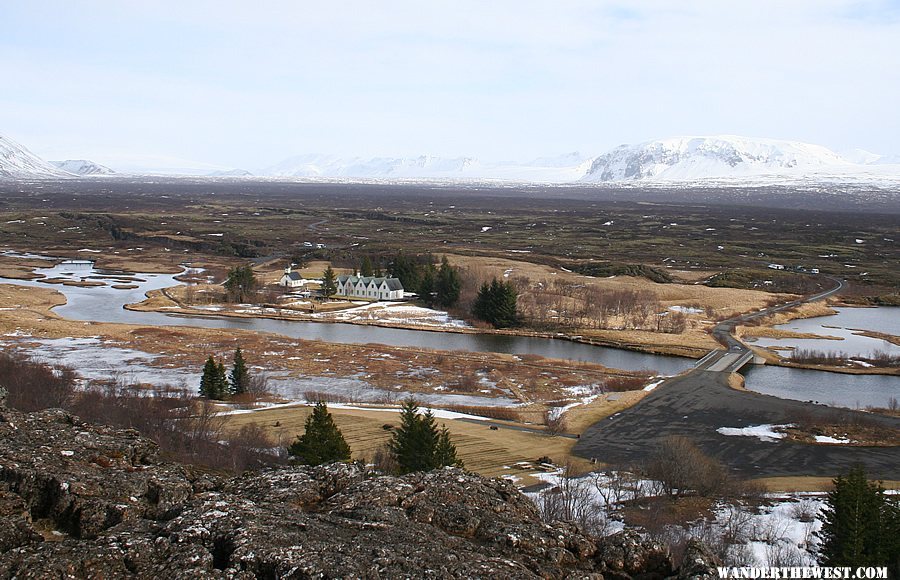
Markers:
point(79, 500)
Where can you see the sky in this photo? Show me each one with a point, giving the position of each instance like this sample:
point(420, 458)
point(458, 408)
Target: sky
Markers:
point(143, 85)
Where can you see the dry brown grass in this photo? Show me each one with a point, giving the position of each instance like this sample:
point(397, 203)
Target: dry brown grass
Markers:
point(725, 301)
point(583, 416)
point(801, 483)
point(482, 449)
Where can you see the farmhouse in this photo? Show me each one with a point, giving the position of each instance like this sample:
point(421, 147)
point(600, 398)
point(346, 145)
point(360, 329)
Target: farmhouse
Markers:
point(291, 279)
point(370, 287)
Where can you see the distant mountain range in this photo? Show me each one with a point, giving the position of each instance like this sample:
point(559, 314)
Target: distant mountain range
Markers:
point(18, 162)
point(82, 167)
point(676, 160)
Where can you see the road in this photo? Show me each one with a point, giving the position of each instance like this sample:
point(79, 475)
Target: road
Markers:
point(697, 403)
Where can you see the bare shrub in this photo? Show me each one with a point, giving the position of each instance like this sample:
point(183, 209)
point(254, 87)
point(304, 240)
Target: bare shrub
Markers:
point(624, 383)
point(323, 397)
point(384, 460)
point(554, 422)
point(258, 387)
point(682, 468)
point(571, 500)
point(250, 448)
point(805, 510)
point(32, 386)
point(499, 413)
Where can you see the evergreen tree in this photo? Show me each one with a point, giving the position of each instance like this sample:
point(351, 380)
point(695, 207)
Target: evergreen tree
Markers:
point(329, 282)
point(407, 271)
point(206, 379)
point(213, 384)
point(861, 526)
point(239, 378)
point(482, 308)
point(426, 285)
point(496, 303)
point(220, 382)
point(366, 268)
point(322, 441)
point(240, 284)
point(418, 444)
point(445, 450)
point(448, 284)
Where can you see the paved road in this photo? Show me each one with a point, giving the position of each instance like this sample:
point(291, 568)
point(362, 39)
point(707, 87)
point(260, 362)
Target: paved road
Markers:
point(698, 403)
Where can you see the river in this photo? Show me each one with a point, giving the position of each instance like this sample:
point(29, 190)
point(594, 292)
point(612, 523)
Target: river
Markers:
point(105, 304)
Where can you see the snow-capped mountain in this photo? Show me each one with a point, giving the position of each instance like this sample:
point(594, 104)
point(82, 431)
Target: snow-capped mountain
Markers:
point(18, 162)
point(332, 166)
point(698, 158)
point(231, 173)
point(82, 167)
point(550, 169)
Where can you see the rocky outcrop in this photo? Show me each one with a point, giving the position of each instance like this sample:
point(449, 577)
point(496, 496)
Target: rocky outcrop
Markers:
point(80, 500)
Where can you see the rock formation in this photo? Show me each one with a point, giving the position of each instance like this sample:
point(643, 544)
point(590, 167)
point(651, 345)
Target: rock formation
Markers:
point(79, 500)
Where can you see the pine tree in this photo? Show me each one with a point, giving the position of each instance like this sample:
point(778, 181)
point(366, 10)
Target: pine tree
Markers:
point(418, 444)
point(366, 268)
point(206, 380)
point(861, 526)
point(322, 441)
point(240, 284)
point(448, 284)
point(329, 282)
point(496, 303)
point(445, 450)
point(213, 384)
point(239, 378)
point(426, 285)
point(220, 382)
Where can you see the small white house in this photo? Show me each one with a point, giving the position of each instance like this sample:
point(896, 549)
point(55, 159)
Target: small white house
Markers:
point(291, 279)
point(370, 287)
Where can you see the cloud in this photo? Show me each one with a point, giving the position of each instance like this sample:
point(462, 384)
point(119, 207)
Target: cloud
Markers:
point(246, 84)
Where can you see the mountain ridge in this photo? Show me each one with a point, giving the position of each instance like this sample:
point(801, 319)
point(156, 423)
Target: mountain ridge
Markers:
point(673, 161)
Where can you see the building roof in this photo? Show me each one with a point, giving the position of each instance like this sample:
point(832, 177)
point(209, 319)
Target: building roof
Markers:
point(392, 283)
point(294, 275)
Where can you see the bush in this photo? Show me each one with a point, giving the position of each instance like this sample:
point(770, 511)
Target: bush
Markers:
point(682, 469)
point(32, 386)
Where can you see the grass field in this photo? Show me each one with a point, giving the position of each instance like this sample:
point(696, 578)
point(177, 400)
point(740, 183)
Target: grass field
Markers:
point(493, 453)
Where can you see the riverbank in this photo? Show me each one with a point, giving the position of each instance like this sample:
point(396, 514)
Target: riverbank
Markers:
point(343, 370)
point(692, 345)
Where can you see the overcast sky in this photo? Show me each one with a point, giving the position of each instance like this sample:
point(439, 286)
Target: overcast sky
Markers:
point(246, 84)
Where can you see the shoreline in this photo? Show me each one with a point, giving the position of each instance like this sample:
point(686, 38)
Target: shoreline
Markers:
point(660, 350)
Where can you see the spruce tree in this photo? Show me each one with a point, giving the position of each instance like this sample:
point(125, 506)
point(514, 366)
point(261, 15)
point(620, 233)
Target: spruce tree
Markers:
point(213, 384)
point(418, 444)
point(448, 284)
point(329, 282)
point(220, 382)
point(322, 441)
point(496, 303)
point(426, 285)
point(366, 268)
point(860, 526)
point(207, 388)
point(241, 283)
point(239, 378)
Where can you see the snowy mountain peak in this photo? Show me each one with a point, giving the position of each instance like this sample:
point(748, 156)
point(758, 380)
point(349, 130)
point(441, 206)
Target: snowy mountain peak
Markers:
point(18, 162)
point(689, 158)
point(82, 167)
